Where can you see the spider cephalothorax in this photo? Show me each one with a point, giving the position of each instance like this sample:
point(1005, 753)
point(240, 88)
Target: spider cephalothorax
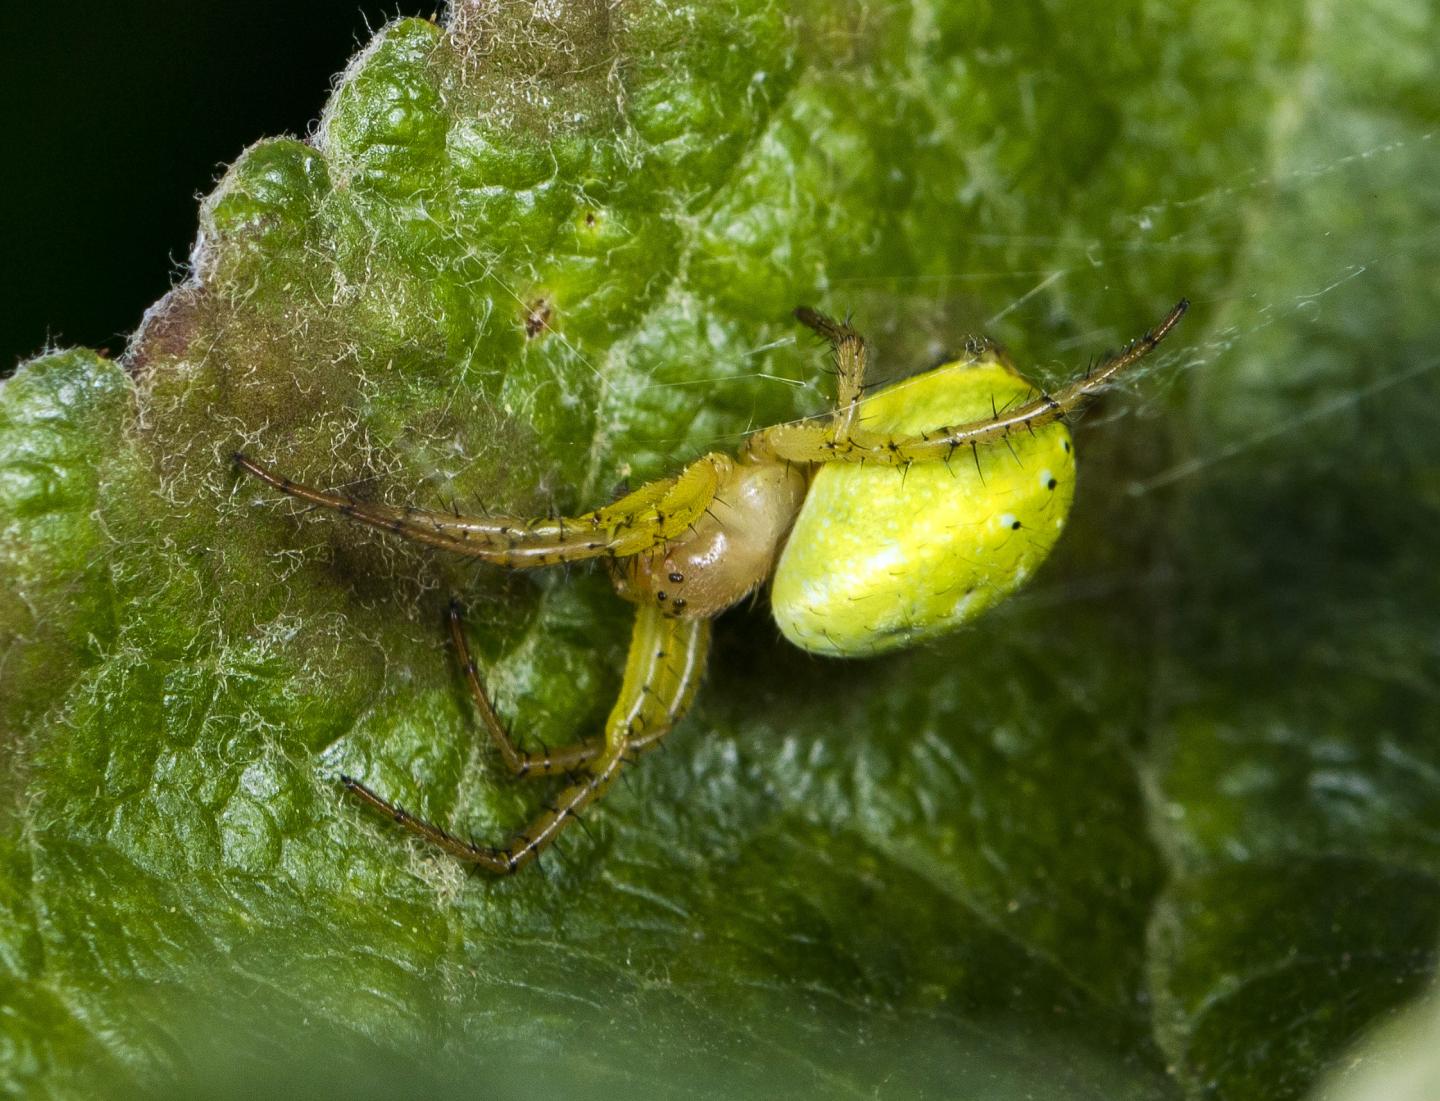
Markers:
point(898, 517)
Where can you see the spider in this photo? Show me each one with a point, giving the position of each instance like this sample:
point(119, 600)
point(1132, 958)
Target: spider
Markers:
point(894, 519)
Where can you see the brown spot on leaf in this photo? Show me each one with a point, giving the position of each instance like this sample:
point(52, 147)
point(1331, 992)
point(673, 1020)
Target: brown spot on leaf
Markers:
point(537, 317)
point(167, 329)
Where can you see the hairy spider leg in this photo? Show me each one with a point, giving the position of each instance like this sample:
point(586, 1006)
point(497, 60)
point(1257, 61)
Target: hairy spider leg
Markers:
point(818, 443)
point(551, 762)
point(662, 673)
point(655, 513)
point(848, 348)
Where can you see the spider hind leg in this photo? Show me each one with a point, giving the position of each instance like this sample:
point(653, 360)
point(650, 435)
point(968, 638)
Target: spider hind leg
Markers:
point(850, 352)
point(840, 442)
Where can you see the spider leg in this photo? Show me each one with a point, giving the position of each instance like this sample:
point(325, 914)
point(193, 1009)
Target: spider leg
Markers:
point(651, 515)
point(819, 443)
point(848, 348)
point(662, 673)
point(548, 762)
point(521, 764)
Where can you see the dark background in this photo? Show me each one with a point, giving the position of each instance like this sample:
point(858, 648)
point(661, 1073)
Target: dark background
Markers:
point(118, 117)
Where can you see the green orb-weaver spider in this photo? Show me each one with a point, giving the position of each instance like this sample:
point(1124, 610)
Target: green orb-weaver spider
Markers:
point(872, 535)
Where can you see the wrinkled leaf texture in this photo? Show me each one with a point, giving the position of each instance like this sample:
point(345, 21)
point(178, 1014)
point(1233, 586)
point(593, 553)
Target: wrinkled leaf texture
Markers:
point(1167, 825)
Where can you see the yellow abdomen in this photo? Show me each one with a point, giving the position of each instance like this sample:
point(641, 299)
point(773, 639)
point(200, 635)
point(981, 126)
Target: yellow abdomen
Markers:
point(881, 556)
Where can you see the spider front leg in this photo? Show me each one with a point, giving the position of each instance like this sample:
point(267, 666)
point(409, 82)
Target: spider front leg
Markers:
point(654, 513)
point(662, 673)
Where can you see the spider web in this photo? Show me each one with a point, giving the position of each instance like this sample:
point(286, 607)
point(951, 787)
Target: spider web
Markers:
point(1223, 336)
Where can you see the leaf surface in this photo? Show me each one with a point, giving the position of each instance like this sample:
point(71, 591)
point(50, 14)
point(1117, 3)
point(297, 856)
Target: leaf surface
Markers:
point(1163, 826)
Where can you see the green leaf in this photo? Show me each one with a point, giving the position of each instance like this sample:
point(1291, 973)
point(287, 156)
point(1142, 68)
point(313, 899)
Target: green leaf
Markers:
point(1163, 826)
